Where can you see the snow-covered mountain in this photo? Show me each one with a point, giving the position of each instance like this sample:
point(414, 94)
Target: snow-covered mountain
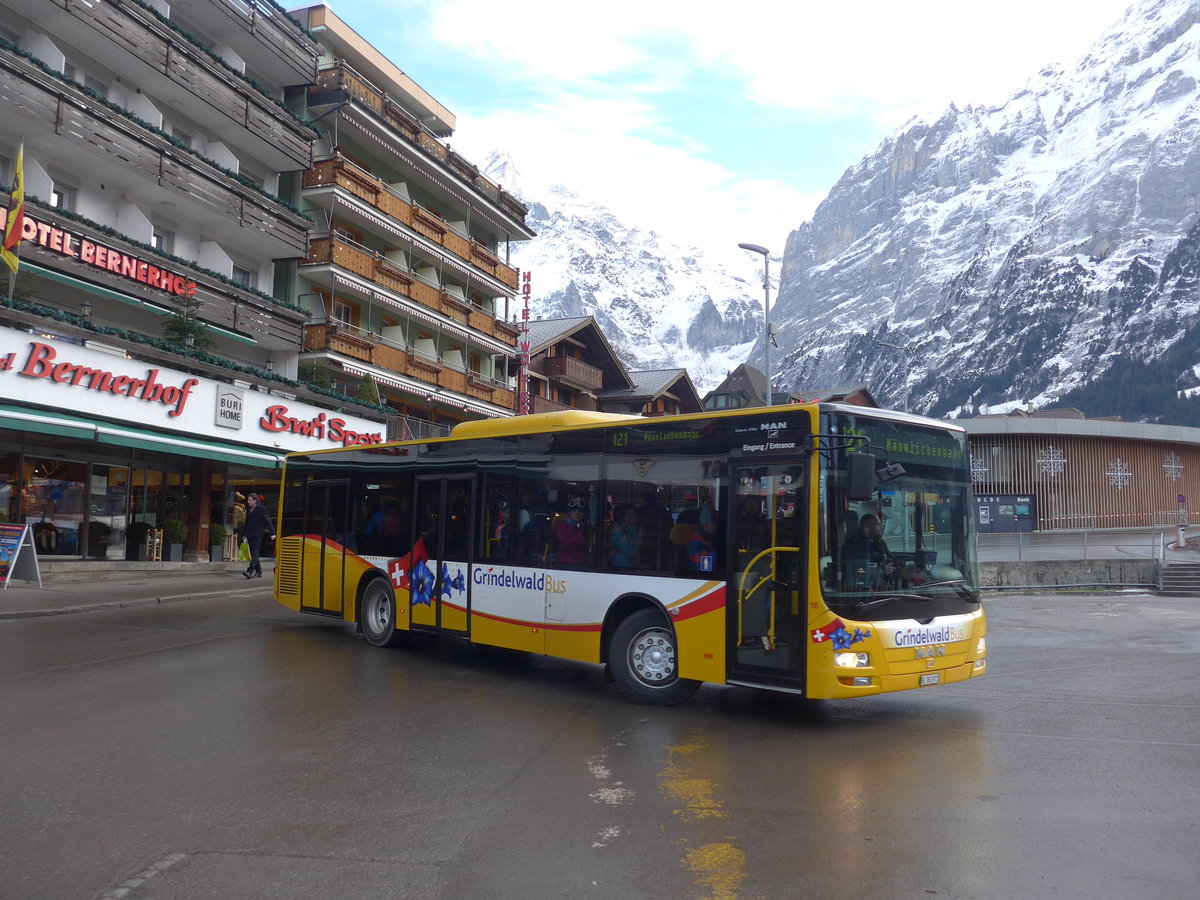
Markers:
point(661, 305)
point(1045, 252)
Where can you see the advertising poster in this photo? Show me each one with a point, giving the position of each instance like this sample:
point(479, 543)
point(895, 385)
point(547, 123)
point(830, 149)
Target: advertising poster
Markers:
point(18, 559)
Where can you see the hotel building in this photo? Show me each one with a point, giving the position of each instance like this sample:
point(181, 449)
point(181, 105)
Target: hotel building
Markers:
point(149, 355)
point(407, 275)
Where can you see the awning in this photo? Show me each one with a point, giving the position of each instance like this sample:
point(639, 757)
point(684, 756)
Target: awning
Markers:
point(45, 422)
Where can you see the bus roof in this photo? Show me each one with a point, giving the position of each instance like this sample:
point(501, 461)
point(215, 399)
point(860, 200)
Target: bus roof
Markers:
point(542, 423)
point(532, 424)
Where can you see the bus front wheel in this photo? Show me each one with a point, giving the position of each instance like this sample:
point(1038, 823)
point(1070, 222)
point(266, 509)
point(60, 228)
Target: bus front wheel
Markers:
point(377, 615)
point(644, 660)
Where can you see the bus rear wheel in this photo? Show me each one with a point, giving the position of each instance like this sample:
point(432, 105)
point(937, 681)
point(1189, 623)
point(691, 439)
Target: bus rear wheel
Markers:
point(377, 615)
point(644, 660)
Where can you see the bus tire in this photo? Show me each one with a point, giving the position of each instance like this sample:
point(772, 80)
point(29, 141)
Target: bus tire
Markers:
point(377, 615)
point(644, 662)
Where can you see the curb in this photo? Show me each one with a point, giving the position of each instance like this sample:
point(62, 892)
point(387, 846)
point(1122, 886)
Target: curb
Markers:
point(111, 604)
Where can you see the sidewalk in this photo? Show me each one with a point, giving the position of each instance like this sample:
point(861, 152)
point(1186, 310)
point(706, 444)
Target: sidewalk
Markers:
point(21, 600)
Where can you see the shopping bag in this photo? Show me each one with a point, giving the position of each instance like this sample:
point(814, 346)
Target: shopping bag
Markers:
point(244, 551)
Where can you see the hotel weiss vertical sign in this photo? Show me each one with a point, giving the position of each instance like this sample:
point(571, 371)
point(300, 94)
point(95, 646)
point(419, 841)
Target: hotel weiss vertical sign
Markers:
point(523, 357)
point(67, 377)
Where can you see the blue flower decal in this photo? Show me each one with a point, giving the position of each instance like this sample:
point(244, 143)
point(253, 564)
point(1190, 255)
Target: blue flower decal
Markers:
point(457, 583)
point(422, 584)
point(841, 639)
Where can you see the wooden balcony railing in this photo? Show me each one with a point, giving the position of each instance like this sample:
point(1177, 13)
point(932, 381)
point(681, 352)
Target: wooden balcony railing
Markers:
point(344, 340)
point(342, 173)
point(382, 271)
point(263, 28)
point(339, 76)
point(49, 106)
point(197, 72)
point(574, 372)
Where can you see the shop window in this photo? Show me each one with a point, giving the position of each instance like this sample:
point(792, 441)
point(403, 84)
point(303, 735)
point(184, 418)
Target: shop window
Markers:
point(53, 501)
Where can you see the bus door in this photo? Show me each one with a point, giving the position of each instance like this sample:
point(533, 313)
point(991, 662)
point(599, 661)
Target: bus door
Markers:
point(440, 590)
point(767, 578)
point(326, 507)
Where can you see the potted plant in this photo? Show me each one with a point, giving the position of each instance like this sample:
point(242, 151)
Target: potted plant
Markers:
point(216, 541)
point(175, 532)
point(135, 540)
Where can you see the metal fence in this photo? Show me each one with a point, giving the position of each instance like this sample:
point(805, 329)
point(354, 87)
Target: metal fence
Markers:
point(1078, 545)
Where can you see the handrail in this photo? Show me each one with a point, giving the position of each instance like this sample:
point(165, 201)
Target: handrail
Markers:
point(768, 578)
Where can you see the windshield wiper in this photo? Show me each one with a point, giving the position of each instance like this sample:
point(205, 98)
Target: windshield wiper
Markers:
point(960, 585)
point(880, 601)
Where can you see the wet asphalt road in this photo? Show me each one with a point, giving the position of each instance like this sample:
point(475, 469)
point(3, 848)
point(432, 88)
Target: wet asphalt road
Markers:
point(230, 748)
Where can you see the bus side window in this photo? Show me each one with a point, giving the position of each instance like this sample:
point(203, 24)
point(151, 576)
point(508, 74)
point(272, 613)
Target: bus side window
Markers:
point(532, 523)
point(496, 535)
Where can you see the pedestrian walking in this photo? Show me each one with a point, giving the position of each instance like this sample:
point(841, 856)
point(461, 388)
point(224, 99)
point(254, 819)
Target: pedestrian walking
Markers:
point(258, 523)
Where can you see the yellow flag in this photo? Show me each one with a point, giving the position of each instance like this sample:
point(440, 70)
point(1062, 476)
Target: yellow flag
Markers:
point(16, 215)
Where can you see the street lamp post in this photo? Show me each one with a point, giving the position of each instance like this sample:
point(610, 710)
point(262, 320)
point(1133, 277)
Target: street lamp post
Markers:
point(907, 350)
point(755, 248)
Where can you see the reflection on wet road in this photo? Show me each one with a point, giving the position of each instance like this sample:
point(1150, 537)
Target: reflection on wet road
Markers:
point(230, 748)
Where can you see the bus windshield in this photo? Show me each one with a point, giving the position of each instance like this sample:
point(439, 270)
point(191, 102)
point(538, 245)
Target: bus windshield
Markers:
point(909, 551)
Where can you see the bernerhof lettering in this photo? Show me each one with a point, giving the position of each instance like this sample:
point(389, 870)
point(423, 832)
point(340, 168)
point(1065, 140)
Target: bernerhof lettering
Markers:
point(41, 364)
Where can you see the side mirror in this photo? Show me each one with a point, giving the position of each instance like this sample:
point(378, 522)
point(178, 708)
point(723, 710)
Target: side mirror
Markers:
point(862, 476)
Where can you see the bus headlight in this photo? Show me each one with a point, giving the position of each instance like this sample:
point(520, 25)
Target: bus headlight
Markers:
point(981, 647)
point(852, 660)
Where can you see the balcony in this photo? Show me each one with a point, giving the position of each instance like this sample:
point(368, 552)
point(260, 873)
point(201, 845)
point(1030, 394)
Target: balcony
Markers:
point(573, 372)
point(90, 137)
point(229, 107)
point(221, 303)
point(341, 173)
point(340, 77)
point(380, 270)
point(257, 31)
point(353, 343)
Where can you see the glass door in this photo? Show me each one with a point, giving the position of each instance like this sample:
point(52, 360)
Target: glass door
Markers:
point(440, 593)
point(326, 508)
point(767, 583)
point(108, 512)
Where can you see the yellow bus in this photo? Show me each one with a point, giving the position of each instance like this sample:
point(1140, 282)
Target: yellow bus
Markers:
point(821, 549)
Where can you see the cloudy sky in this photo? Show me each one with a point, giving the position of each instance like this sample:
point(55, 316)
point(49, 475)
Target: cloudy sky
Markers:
point(712, 122)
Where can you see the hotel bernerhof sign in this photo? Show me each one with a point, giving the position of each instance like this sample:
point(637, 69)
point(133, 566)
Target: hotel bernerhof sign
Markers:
point(77, 379)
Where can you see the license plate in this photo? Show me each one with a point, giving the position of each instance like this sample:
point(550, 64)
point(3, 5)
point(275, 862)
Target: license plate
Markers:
point(933, 678)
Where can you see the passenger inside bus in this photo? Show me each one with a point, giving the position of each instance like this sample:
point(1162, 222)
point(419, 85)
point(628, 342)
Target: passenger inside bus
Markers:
point(624, 539)
point(656, 525)
point(573, 534)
